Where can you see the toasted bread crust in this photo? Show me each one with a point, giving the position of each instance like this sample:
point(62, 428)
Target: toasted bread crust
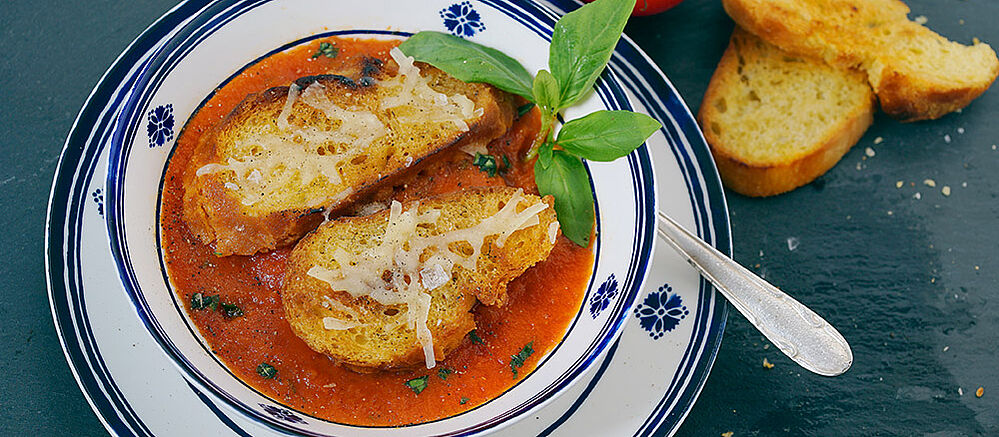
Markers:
point(899, 56)
point(215, 214)
point(754, 174)
point(777, 178)
point(397, 347)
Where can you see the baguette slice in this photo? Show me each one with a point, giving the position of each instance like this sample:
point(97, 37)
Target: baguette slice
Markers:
point(916, 73)
point(266, 174)
point(775, 121)
point(362, 289)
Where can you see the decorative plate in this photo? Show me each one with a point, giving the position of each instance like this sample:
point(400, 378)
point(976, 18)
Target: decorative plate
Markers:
point(645, 385)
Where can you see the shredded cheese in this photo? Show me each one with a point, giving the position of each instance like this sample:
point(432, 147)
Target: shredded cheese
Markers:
point(408, 255)
point(413, 90)
point(552, 232)
point(288, 154)
point(299, 154)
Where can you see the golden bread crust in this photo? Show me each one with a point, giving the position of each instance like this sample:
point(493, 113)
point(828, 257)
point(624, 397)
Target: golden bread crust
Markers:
point(381, 341)
point(916, 73)
point(770, 142)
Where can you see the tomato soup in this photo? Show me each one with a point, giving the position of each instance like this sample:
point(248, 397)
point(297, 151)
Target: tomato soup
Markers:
point(542, 302)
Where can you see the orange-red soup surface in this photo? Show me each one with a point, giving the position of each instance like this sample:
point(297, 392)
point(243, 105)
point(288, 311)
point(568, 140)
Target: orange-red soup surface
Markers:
point(542, 302)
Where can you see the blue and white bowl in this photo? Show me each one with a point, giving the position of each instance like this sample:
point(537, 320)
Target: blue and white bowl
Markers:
point(225, 37)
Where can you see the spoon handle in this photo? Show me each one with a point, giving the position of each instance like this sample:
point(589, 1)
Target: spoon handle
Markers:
point(796, 330)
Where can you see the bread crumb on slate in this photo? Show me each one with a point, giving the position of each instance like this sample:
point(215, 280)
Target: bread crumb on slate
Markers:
point(769, 365)
point(869, 152)
point(899, 184)
point(980, 392)
point(921, 19)
point(878, 140)
point(945, 190)
point(930, 183)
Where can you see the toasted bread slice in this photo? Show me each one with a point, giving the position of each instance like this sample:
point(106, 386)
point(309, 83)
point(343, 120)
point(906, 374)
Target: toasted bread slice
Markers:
point(394, 289)
point(776, 121)
point(266, 174)
point(916, 73)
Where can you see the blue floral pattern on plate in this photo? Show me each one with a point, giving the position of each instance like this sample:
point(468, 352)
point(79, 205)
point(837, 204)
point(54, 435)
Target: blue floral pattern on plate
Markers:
point(159, 128)
point(461, 19)
point(282, 414)
point(661, 311)
point(602, 298)
point(98, 197)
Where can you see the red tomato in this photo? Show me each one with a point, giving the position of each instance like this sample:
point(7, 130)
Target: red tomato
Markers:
point(649, 7)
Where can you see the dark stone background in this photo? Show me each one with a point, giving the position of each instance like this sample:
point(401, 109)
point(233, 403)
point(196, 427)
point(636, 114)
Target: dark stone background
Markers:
point(911, 283)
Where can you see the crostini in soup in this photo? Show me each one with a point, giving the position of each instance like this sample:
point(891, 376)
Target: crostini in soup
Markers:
point(267, 173)
point(395, 289)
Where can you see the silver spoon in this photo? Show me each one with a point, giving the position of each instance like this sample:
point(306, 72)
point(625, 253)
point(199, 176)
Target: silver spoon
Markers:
point(796, 330)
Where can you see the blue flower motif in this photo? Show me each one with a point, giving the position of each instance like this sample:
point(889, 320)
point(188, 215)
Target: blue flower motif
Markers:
point(661, 312)
point(98, 197)
point(602, 298)
point(462, 20)
point(160, 125)
point(282, 414)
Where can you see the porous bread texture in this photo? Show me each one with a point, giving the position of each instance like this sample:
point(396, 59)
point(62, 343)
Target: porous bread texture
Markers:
point(916, 73)
point(218, 213)
point(776, 121)
point(383, 340)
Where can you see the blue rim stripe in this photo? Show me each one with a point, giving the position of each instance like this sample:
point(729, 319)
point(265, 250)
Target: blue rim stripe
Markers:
point(718, 215)
point(67, 190)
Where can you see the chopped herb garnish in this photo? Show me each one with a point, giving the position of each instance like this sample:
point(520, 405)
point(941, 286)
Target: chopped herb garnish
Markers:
point(266, 370)
point(199, 301)
point(217, 253)
point(418, 384)
point(506, 165)
point(231, 310)
point(463, 400)
point(486, 163)
point(524, 109)
point(444, 372)
point(582, 42)
point(326, 49)
point(474, 336)
point(517, 361)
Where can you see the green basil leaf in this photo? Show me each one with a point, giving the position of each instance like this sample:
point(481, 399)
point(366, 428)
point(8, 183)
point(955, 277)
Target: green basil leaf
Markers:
point(545, 155)
point(418, 384)
point(546, 91)
point(469, 61)
point(606, 135)
point(566, 179)
point(582, 44)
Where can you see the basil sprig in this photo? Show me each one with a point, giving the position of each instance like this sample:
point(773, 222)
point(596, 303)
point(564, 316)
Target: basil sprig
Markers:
point(582, 44)
point(469, 62)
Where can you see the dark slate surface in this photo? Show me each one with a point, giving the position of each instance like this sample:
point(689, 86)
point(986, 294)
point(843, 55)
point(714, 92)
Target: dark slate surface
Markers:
point(911, 283)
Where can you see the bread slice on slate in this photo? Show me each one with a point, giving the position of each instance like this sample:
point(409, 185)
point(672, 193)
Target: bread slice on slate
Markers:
point(362, 289)
point(282, 158)
point(776, 121)
point(916, 73)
